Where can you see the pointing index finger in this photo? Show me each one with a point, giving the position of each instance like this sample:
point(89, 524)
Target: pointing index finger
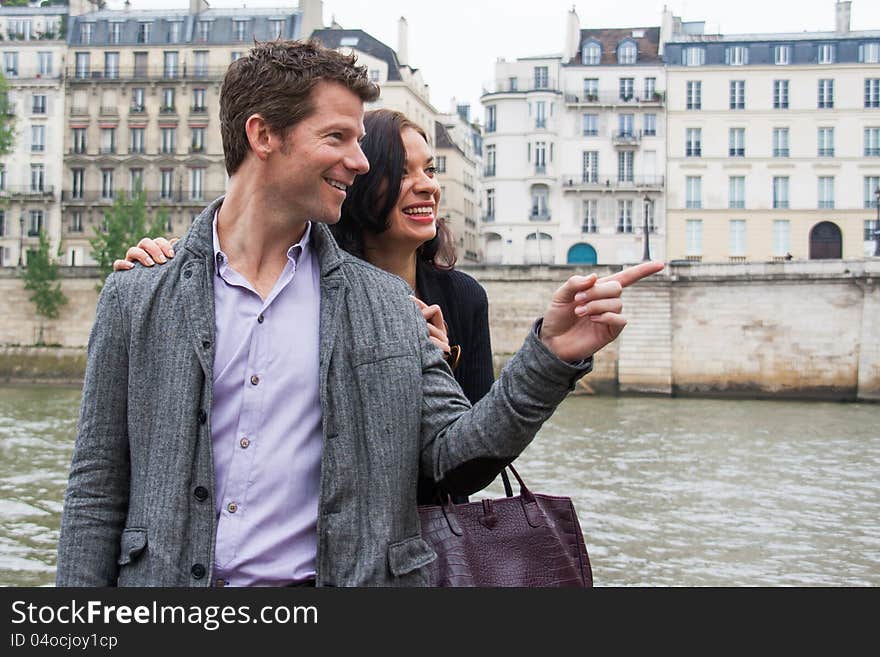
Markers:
point(634, 274)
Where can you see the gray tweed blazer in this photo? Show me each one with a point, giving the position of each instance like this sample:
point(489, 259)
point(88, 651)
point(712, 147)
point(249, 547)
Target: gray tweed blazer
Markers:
point(391, 410)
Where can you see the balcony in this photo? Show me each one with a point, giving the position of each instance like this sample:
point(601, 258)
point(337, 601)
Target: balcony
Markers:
point(539, 215)
point(613, 98)
point(137, 109)
point(489, 171)
point(26, 192)
point(515, 85)
point(200, 109)
point(79, 111)
point(580, 182)
point(85, 76)
point(184, 197)
point(168, 109)
point(626, 137)
point(109, 111)
point(107, 150)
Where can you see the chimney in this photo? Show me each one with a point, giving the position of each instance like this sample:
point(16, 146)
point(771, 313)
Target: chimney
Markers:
point(572, 35)
point(312, 17)
point(402, 42)
point(666, 29)
point(197, 6)
point(843, 11)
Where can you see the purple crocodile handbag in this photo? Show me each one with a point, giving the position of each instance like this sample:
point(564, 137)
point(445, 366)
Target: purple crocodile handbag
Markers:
point(525, 540)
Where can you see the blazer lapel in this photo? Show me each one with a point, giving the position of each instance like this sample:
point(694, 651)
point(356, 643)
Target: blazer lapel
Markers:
point(334, 287)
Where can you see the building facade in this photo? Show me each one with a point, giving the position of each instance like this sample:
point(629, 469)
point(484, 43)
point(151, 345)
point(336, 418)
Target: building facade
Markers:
point(774, 143)
point(33, 50)
point(574, 151)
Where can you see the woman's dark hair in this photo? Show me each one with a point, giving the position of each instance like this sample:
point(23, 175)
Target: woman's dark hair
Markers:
point(373, 195)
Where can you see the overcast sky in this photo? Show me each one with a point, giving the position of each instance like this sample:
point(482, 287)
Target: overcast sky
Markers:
point(456, 42)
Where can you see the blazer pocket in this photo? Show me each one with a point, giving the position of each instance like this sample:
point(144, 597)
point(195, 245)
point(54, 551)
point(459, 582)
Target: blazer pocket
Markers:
point(408, 555)
point(134, 540)
point(380, 352)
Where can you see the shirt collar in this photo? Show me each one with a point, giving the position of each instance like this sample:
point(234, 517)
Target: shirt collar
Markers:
point(293, 253)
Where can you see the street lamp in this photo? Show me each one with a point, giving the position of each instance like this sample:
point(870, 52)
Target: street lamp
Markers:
point(21, 240)
point(877, 224)
point(646, 256)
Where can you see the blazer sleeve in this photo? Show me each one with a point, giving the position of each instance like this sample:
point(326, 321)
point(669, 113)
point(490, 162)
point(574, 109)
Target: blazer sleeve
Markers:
point(96, 500)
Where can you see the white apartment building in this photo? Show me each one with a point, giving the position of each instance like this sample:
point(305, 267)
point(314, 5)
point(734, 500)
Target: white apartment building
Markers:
point(33, 51)
point(574, 151)
point(773, 142)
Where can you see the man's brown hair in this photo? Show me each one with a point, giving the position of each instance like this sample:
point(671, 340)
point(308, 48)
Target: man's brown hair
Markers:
point(275, 80)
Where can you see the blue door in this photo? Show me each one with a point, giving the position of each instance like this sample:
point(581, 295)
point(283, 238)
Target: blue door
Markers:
point(582, 254)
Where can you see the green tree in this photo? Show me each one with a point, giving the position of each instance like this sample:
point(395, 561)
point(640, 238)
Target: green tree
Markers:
point(7, 119)
point(125, 223)
point(41, 278)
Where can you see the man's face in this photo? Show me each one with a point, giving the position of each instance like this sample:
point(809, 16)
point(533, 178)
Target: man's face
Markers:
point(321, 156)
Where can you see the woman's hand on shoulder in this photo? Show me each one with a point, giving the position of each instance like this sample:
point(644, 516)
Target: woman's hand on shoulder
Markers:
point(148, 252)
point(436, 326)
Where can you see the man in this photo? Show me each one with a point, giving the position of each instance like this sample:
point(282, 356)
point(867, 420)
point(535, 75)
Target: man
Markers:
point(258, 411)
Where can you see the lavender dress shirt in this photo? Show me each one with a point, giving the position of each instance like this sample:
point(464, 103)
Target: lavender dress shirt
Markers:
point(266, 422)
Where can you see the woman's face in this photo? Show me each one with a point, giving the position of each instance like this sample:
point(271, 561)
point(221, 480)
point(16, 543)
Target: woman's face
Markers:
point(413, 220)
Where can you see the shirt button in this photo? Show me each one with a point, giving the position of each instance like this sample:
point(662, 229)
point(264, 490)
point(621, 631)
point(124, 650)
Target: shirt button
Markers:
point(200, 493)
point(245, 443)
point(260, 318)
point(198, 571)
point(255, 380)
point(232, 507)
point(220, 582)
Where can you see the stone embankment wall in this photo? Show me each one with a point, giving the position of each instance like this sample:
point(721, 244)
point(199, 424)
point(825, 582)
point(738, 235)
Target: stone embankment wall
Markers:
point(794, 329)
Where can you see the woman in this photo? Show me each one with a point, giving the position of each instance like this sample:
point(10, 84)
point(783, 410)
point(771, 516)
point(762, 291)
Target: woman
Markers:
point(401, 234)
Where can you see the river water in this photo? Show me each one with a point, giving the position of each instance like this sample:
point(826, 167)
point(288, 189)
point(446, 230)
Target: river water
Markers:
point(670, 492)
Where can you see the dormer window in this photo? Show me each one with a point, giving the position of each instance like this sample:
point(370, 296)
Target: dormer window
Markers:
point(592, 54)
point(781, 55)
point(825, 54)
point(736, 55)
point(693, 56)
point(627, 53)
point(869, 53)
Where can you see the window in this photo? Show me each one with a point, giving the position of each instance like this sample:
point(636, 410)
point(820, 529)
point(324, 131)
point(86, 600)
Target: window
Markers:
point(44, 63)
point(627, 88)
point(86, 30)
point(781, 237)
point(736, 55)
point(35, 223)
point(826, 192)
point(693, 56)
point(140, 64)
point(2, 225)
point(650, 88)
point(540, 157)
point(175, 29)
point(203, 31)
point(196, 183)
point(540, 203)
point(20, 29)
point(76, 221)
point(136, 140)
point(591, 54)
point(79, 140)
point(135, 180)
point(172, 60)
point(737, 94)
point(83, 65)
point(38, 104)
point(235, 55)
point(694, 237)
point(825, 53)
point(108, 140)
point(489, 169)
point(2, 177)
point(626, 124)
point(826, 94)
point(115, 33)
point(650, 125)
point(166, 188)
point(826, 142)
point(737, 193)
point(694, 95)
point(737, 138)
point(590, 125)
point(168, 135)
point(869, 53)
point(871, 227)
point(76, 187)
point(591, 88)
point(590, 167)
point(168, 99)
point(872, 92)
point(780, 142)
point(648, 215)
point(490, 205)
point(276, 28)
point(38, 138)
point(737, 229)
point(106, 183)
point(872, 184)
point(111, 65)
point(37, 178)
point(693, 142)
point(590, 213)
point(200, 63)
point(241, 30)
point(198, 100)
point(10, 63)
point(198, 143)
point(872, 142)
point(143, 32)
point(780, 94)
point(627, 53)
point(491, 115)
point(624, 216)
point(540, 114)
point(542, 79)
point(693, 192)
point(137, 99)
point(781, 55)
point(625, 168)
point(780, 192)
